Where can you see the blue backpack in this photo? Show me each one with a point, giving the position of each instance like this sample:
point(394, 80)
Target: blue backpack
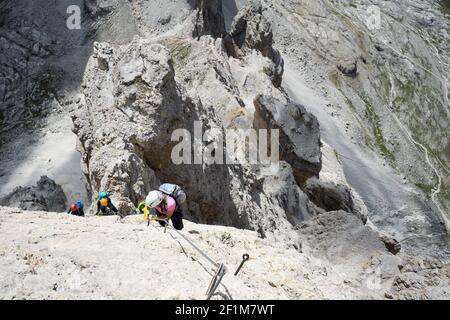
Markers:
point(79, 205)
point(174, 191)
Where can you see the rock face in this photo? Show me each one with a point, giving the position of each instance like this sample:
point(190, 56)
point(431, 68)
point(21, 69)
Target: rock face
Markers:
point(341, 236)
point(329, 196)
point(375, 74)
point(210, 19)
point(135, 94)
point(46, 195)
point(299, 134)
point(251, 31)
point(391, 244)
point(36, 63)
point(69, 257)
point(155, 98)
point(135, 97)
point(128, 113)
point(420, 279)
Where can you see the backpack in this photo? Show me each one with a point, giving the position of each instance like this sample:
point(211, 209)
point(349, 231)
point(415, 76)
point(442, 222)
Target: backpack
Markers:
point(79, 205)
point(174, 191)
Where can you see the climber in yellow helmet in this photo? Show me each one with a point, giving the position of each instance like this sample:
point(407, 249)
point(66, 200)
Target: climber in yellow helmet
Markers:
point(104, 203)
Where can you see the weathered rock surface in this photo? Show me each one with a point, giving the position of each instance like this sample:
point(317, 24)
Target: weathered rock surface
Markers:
point(421, 279)
point(68, 257)
point(36, 62)
point(210, 19)
point(299, 134)
point(251, 31)
point(329, 196)
point(391, 244)
point(128, 111)
point(396, 107)
point(46, 195)
point(341, 236)
point(158, 66)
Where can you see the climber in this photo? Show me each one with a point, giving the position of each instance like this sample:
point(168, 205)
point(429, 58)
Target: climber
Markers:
point(166, 202)
point(104, 203)
point(141, 208)
point(76, 209)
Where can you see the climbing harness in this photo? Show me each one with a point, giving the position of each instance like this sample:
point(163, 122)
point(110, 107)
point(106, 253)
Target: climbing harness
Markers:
point(245, 257)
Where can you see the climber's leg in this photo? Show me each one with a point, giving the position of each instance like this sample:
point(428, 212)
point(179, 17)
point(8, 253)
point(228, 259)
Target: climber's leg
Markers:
point(177, 220)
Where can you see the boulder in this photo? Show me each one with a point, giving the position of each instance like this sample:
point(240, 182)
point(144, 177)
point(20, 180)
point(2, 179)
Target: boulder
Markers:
point(348, 67)
point(391, 244)
point(46, 195)
point(329, 196)
point(299, 134)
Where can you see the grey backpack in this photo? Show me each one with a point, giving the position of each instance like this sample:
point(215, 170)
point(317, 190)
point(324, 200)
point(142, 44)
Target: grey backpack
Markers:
point(174, 191)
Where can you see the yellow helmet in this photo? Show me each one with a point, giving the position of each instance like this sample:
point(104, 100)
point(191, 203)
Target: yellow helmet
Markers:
point(104, 202)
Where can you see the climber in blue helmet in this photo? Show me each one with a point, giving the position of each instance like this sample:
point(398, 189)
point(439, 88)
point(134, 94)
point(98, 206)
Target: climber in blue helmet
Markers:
point(102, 194)
point(104, 203)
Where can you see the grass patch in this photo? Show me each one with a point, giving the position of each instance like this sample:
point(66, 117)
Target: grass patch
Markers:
point(377, 132)
point(409, 89)
point(385, 83)
point(445, 5)
point(427, 188)
point(445, 193)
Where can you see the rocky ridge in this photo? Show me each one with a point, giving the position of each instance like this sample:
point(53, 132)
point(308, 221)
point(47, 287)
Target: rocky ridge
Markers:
point(134, 96)
point(68, 257)
point(241, 65)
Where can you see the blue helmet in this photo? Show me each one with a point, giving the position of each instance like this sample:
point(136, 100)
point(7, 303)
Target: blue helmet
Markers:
point(79, 204)
point(102, 194)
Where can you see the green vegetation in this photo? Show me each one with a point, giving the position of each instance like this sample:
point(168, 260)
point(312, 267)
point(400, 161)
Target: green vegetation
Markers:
point(374, 120)
point(378, 133)
point(446, 7)
point(445, 193)
point(427, 188)
point(415, 98)
point(385, 82)
point(371, 116)
point(408, 88)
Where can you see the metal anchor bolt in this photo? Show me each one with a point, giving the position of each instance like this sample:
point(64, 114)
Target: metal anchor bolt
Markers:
point(245, 257)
